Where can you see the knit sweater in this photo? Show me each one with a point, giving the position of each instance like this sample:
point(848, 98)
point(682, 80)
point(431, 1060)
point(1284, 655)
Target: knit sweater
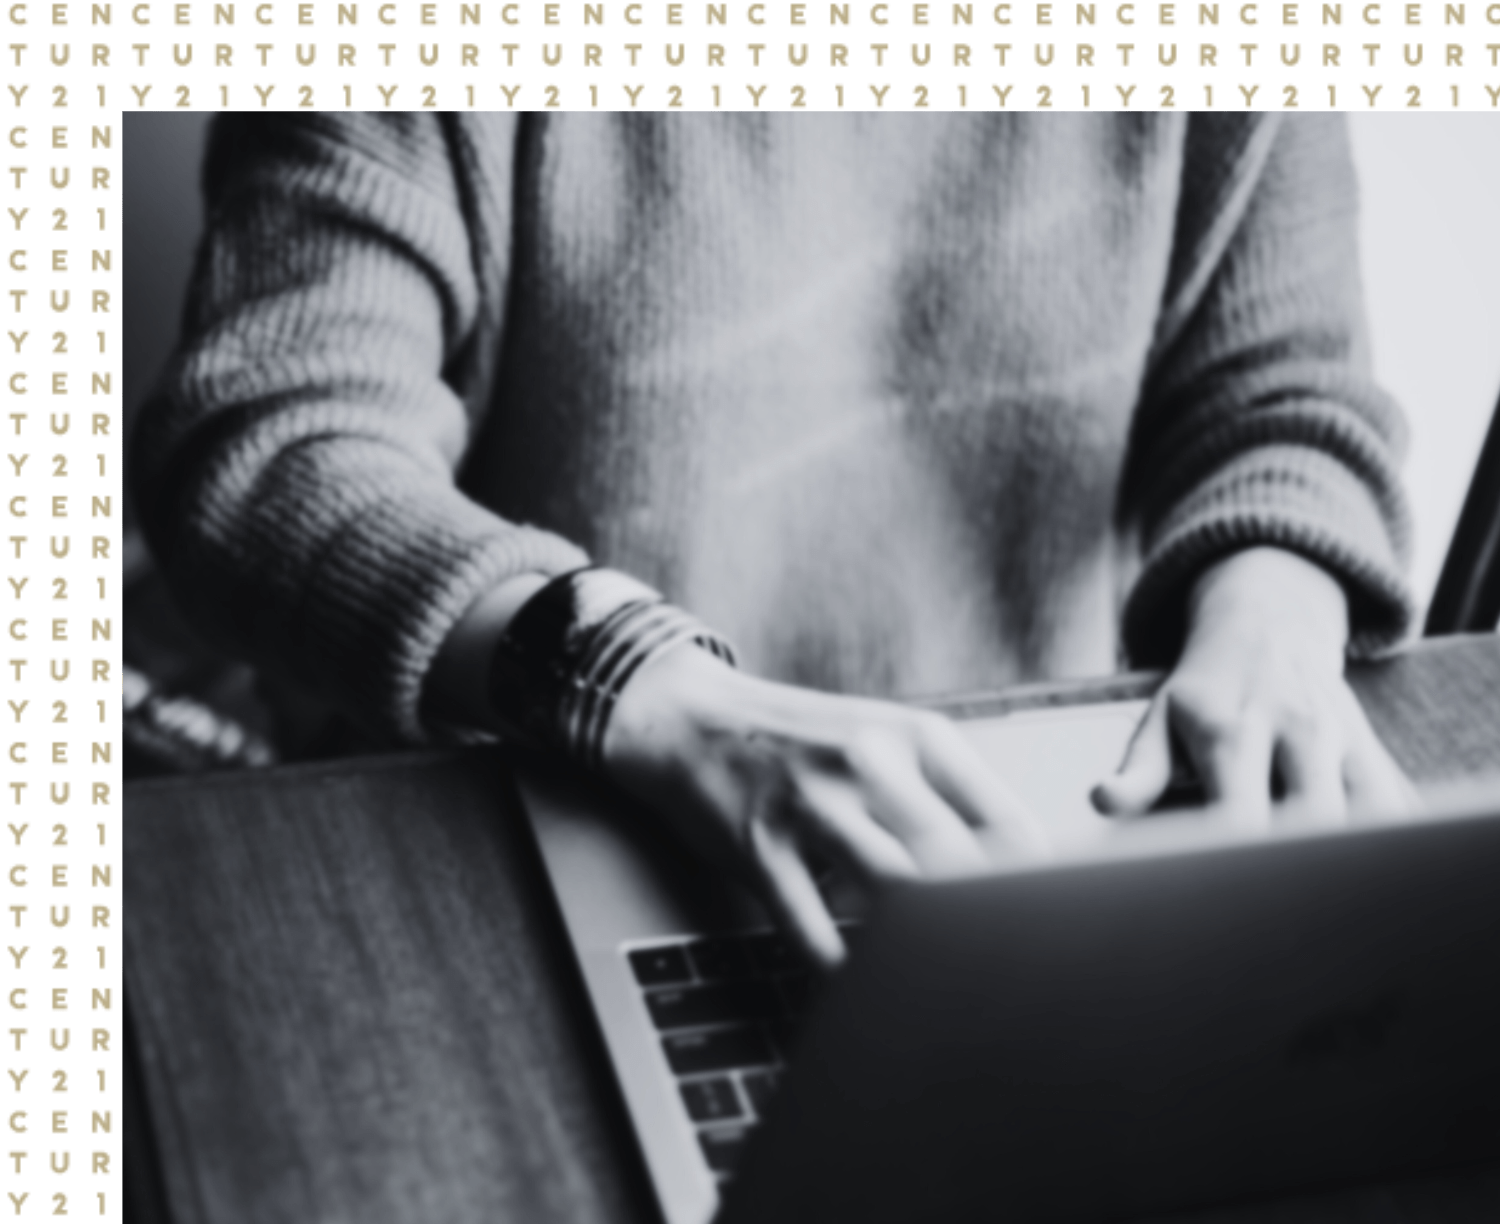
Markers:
point(900, 404)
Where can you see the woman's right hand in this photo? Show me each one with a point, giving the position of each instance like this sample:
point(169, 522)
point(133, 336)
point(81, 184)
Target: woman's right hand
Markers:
point(755, 775)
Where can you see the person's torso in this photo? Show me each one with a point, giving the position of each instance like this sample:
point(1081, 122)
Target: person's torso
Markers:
point(856, 390)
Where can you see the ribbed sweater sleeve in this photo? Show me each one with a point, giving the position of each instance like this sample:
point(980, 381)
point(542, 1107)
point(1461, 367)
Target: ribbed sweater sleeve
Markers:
point(296, 471)
point(1259, 423)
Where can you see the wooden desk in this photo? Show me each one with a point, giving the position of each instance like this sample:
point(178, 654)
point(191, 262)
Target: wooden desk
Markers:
point(350, 1000)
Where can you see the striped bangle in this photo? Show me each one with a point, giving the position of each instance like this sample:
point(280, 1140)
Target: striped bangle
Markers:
point(566, 656)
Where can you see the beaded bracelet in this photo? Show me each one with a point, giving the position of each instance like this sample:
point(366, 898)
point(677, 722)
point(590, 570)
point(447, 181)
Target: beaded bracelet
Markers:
point(567, 654)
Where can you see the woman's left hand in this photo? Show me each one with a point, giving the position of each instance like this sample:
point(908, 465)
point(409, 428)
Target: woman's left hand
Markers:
point(1259, 694)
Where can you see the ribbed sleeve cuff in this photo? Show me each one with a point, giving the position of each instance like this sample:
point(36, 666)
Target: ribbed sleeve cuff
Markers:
point(382, 634)
point(455, 578)
point(353, 571)
point(1290, 497)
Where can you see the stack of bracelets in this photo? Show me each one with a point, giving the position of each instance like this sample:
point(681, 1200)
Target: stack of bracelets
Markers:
point(569, 651)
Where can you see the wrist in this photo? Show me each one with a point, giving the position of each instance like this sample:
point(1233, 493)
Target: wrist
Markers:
point(679, 698)
point(1276, 592)
point(558, 669)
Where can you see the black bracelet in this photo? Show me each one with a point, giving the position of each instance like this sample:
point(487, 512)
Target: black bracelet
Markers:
point(569, 651)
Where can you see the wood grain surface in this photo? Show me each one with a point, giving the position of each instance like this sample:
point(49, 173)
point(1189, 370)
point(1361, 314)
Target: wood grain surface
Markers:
point(349, 998)
point(352, 1003)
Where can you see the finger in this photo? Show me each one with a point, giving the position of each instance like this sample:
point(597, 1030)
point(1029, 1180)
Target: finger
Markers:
point(1145, 771)
point(791, 894)
point(840, 827)
point(1311, 764)
point(1378, 788)
point(933, 833)
point(960, 777)
point(1234, 764)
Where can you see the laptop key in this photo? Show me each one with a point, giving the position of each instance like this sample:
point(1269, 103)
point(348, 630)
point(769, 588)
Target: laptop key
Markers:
point(716, 1050)
point(726, 1003)
point(720, 958)
point(775, 954)
point(759, 1086)
point(713, 1100)
point(722, 1146)
point(660, 966)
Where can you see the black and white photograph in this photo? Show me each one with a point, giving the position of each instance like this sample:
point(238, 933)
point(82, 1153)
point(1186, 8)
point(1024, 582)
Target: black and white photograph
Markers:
point(775, 667)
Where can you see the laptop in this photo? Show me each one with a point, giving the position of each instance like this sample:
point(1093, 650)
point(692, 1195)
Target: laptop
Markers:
point(1157, 1019)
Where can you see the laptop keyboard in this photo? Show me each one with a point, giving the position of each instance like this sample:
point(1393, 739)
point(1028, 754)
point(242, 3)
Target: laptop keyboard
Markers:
point(725, 1010)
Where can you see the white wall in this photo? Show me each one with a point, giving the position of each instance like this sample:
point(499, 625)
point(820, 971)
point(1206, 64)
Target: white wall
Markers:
point(1431, 239)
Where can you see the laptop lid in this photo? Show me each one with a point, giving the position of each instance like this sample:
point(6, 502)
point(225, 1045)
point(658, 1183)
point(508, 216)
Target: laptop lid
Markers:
point(622, 881)
point(1113, 1038)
